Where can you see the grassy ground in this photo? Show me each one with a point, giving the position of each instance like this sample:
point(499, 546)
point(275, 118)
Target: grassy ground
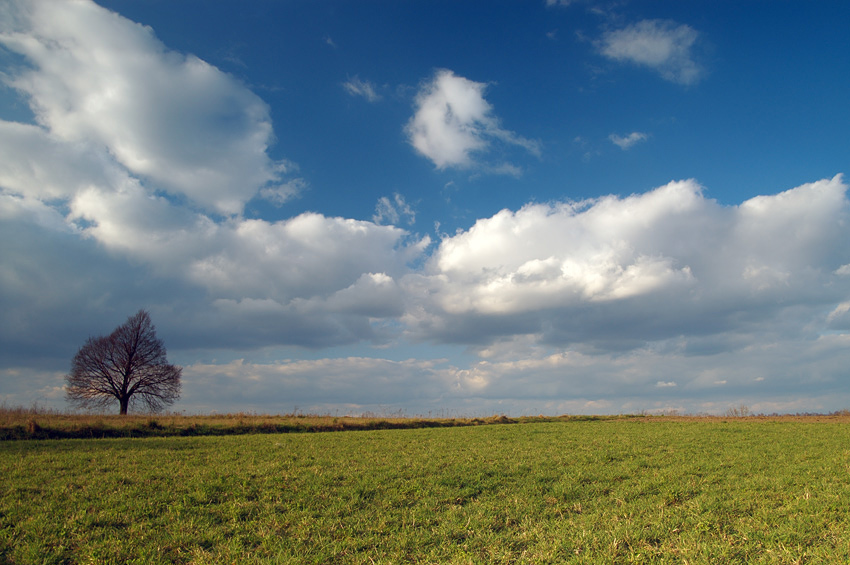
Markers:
point(38, 423)
point(609, 491)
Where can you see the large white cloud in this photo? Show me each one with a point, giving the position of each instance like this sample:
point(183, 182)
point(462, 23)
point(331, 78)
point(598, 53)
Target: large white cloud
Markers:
point(662, 45)
point(309, 280)
point(632, 270)
point(453, 123)
point(306, 256)
point(100, 80)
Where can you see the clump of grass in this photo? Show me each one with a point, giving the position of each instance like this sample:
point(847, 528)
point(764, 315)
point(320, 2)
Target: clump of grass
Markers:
point(12, 415)
point(33, 428)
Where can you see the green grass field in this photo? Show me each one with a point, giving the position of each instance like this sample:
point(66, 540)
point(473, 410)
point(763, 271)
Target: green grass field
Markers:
point(646, 490)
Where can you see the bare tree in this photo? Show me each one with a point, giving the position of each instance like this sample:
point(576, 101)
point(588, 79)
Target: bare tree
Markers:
point(129, 365)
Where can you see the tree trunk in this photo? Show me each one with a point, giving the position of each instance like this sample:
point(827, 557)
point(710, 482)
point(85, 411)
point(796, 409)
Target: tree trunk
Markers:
point(124, 401)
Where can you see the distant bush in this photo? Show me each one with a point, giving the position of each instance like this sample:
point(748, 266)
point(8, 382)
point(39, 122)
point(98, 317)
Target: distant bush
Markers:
point(741, 411)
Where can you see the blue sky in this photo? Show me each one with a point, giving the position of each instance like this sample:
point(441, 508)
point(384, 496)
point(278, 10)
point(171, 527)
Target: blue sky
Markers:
point(512, 207)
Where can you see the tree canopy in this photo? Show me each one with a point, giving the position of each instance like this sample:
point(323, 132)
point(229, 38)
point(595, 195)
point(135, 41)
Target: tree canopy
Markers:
point(129, 365)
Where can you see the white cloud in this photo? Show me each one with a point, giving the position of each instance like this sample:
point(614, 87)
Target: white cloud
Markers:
point(373, 294)
point(628, 141)
point(662, 45)
point(622, 272)
point(282, 193)
point(363, 88)
point(301, 272)
point(548, 255)
point(310, 280)
point(37, 165)
point(453, 123)
point(307, 256)
point(99, 80)
point(392, 211)
point(839, 318)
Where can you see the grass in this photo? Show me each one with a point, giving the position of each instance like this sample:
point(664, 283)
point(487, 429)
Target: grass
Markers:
point(38, 423)
point(647, 490)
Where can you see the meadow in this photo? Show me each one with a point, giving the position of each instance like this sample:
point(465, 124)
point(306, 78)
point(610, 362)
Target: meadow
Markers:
point(39, 423)
point(618, 490)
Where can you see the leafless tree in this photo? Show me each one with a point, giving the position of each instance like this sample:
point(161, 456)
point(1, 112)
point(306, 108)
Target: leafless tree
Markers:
point(129, 365)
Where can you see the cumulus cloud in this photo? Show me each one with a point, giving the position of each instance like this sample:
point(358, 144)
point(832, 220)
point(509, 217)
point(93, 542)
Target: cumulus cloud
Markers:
point(562, 253)
point(363, 88)
point(628, 141)
point(309, 280)
point(621, 272)
point(453, 123)
point(662, 45)
point(307, 256)
point(96, 80)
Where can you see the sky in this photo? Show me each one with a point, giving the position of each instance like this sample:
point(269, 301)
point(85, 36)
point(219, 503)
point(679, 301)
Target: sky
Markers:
point(456, 208)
